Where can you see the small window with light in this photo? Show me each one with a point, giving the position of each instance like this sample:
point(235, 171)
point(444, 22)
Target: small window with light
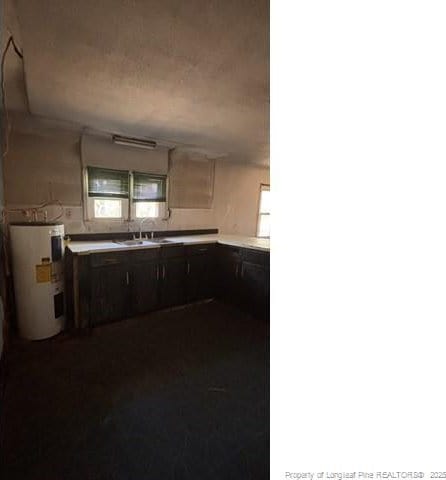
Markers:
point(263, 221)
point(149, 195)
point(108, 193)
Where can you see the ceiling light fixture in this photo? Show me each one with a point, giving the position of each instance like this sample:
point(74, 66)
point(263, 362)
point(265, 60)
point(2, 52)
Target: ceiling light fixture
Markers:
point(134, 142)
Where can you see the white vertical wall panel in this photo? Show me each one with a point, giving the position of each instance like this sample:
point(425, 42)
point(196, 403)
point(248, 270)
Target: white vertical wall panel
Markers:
point(191, 180)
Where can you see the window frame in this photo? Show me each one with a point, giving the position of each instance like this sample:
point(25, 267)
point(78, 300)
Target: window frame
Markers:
point(162, 211)
point(128, 205)
point(124, 209)
point(162, 202)
point(263, 187)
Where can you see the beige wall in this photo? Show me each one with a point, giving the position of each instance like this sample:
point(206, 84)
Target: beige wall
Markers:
point(41, 166)
point(44, 163)
point(99, 151)
point(236, 196)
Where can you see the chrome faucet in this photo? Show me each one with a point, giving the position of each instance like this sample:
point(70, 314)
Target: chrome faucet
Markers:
point(140, 226)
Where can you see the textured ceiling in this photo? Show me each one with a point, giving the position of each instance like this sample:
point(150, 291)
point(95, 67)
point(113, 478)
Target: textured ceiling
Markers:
point(188, 71)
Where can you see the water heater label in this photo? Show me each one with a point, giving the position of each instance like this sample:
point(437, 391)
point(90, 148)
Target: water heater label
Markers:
point(43, 273)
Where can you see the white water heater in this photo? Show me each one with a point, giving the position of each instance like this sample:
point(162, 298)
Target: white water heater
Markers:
point(37, 267)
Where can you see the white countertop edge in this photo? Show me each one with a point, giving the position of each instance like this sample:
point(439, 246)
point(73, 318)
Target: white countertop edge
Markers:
point(243, 245)
point(88, 247)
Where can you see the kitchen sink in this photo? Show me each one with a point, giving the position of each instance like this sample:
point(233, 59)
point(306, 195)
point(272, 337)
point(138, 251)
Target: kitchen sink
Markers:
point(160, 240)
point(164, 241)
point(146, 241)
point(129, 242)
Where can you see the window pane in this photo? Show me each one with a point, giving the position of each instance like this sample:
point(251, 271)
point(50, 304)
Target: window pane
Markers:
point(106, 208)
point(146, 190)
point(265, 206)
point(263, 226)
point(146, 209)
point(103, 182)
point(148, 187)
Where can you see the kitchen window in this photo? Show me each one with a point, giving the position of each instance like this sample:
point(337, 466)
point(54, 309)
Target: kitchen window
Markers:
point(148, 195)
point(263, 221)
point(108, 193)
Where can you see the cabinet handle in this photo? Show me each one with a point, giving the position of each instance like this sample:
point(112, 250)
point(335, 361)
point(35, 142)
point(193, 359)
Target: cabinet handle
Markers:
point(157, 272)
point(188, 268)
point(241, 271)
point(127, 278)
point(236, 270)
point(164, 272)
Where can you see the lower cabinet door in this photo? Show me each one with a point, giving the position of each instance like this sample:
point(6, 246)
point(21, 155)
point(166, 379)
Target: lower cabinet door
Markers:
point(144, 287)
point(227, 285)
point(200, 272)
point(109, 288)
point(172, 282)
point(255, 287)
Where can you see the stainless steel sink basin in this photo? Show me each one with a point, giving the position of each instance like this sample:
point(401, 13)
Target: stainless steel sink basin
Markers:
point(160, 240)
point(164, 241)
point(146, 241)
point(129, 242)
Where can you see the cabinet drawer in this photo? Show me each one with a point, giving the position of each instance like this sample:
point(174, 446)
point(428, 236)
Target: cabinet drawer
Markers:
point(256, 257)
point(172, 251)
point(111, 258)
point(146, 255)
point(200, 249)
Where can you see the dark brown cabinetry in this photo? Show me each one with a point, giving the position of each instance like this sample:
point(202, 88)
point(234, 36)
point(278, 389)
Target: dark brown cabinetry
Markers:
point(172, 282)
point(200, 272)
point(243, 279)
point(143, 278)
point(108, 293)
point(116, 285)
point(122, 284)
point(172, 276)
point(228, 274)
point(144, 274)
point(255, 288)
point(254, 274)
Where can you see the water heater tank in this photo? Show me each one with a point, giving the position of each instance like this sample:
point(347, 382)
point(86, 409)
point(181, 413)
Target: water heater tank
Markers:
point(37, 266)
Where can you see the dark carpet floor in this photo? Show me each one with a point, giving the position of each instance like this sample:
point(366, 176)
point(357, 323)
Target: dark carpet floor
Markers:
point(179, 394)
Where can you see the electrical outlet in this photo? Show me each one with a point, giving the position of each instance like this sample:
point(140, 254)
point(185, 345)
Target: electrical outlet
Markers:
point(68, 213)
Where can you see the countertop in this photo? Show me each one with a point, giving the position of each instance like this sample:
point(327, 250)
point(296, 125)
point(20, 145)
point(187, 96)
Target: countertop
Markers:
point(85, 248)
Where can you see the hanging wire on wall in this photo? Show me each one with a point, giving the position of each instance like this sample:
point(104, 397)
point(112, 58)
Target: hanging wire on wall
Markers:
point(20, 55)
